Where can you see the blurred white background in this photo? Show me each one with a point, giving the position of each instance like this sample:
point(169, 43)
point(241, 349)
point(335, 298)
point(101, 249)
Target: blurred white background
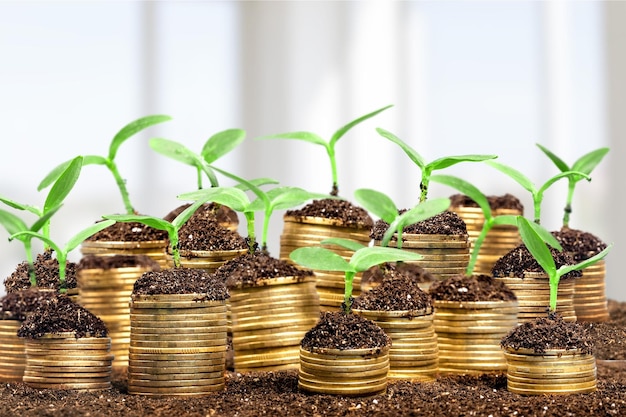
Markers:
point(463, 76)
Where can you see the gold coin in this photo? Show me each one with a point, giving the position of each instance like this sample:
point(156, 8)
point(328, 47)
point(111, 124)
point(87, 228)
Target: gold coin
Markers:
point(179, 344)
point(207, 377)
point(85, 386)
point(141, 384)
point(341, 389)
point(181, 332)
point(173, 365)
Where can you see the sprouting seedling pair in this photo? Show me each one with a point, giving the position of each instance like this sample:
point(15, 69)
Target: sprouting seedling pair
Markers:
point(57, 194)
point(535, 238)
point(328, 145)
point(427, 168)
point(109, 161)
point(362, 259)
point(383, 206)
point(214, 148)
point(536, 193)
point(584, 164)
point(63, 252)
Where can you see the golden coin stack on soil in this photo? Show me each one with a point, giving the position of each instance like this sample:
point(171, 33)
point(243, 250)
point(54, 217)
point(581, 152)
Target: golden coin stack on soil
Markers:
point(557, 371)
point(590, 303)
point(469, 335)
point(414, 353)
point(533, 296)
point(177, 345)
point(63, 361)
point(269, 321)
point(310, 231)
point(206, 260)
point(12, 351)
point(106, 293)
point(350, 372)
point(500, 240)
point(154, 249)
point(444, 256)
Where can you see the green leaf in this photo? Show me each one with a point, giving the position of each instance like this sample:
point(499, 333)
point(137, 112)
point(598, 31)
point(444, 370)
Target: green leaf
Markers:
point(505, 219)
point(377, 203)
point(288, 197)
point(174, 150)
point(585, 263)
point(546, 236)
point(64, 184)
point(343, 130)
point(222, 143)
point(413, 155)
point(186, 214)
point(422, 211)
point(319, 258)
point(27, 235)
point(16, 205)
point(560, 164)
point(257, 182)
point(41, 221)
point(227, 196)
point(154, 222)
point(130, 129)
point(85, 233)
point(575, 175)
point(517, 176)
point(448, 161)
point(467, 189)
point(11, 222)
point(367, 257)
point(58, 170)
point(304, 136)
point(589, 161)
point(535, 245)
point(349, 244)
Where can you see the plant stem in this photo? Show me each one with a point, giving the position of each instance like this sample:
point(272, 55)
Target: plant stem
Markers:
point(477, 244)
point(554, 290)
point(251, 234)
point(62, 259)
point(347, 298)
point(424, 188)
point(568, 204)
point(31, 267)
point(333, 169)
point(199, 175)
point(121, 184)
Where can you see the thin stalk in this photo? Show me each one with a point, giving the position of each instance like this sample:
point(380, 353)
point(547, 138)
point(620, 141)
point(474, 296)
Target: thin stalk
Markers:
point(199, 175)
point(568, 205)
point(477, 245)
point(347, 298)
point(554, 289)
point(424, 188)
point(31, 268)
point(251, 233)
point(121, 184)
point(333, 167)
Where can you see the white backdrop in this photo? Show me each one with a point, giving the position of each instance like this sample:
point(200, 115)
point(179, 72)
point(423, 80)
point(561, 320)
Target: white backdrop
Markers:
point(464, 77)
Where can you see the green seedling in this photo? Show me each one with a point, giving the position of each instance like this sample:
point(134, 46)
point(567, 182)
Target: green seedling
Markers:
point(109, 161)
point(527, 184)
point(63, 252)
point(236, 198)
point(383, 206)
point(427, 168)
point(584, 164)
point(214, 148)
point(328, 145)
point(362, 259)
point(172, 228)
point(535, 237)
point(490, 220)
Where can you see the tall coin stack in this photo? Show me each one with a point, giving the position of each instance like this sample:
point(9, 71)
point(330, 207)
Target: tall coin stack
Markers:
point(590, 301)
point(12, 353)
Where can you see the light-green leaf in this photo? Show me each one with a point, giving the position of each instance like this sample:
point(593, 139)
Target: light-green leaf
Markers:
point(349, 244)
point(85, 233)
point(422, 211)
point(412, 153)
point(11, 222)
point(560, 164)
point(448, 161)
point(536, 246)
point(154, 222)
point(367, 257)
point(343, 130)
point(174, 150)
point(585, 263)
point(64, 184)
point(467, 189)
point(516, 175)
point(231, 197)
point(222, 143)
point(131, 129)
point(589, 161)
point(304, 136)
point(377, 203)
point(319, 258)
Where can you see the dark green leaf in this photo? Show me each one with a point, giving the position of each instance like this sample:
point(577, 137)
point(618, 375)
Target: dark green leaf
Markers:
point(535, 245)
point(64, 184)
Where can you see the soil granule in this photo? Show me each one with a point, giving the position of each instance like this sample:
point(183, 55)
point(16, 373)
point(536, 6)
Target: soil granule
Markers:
point(345, 212)
point(128, 232)
point(496, 202)
point(181, 281)
point(209, 211)
point(446, 223)
point(46, 272)
point(117, 261)
point(578, 244)
point(474, 288)
point(374, 276)
point(519, 260)
point(205, 234)
point(17, 305)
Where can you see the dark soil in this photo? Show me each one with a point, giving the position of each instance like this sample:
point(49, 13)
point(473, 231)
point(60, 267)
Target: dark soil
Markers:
point(506, 201)
point(374, 276)
point(519, 260)
point(205, 234)
point(580, 245)
point(474, 288)
point(129, 232)
point(610, 337)
point(46, 272)
point(208, 211)
point(446, 223)
point(347, 214)
point(181, 281)
point(117, 261)
point(17, 305)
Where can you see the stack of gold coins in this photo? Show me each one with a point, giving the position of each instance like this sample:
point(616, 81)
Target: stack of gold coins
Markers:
point(469, 335)
point(12, 353)
point(63, 361)
point(206, 260)
point(177, 345)
point(444, 256)
point(414, 353)
point(533, 296)
point(554, 371)
point(350, 372)
point(154, 249)
point(310, 231)
point(590, 301)
point(269, 322)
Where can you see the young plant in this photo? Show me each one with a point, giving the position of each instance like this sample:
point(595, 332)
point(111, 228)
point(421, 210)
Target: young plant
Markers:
point(427, 168)
point(584, 164)
point(62, 252)
point(382, 206)
point(535, 237)
point(490, 221)
point(536, 193)
point(161, 224)
point(328, 145)
point(109, 161)
point(214, 148)
point(362, 259)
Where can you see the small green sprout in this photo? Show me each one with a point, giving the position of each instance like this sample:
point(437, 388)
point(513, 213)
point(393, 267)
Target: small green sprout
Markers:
point(584, 164)
point(172, 228)
point(328, 145)
point(214, 148)
point(109, 161)
point(362, 259)
point(63, 252)
point(535, 237)
point(428, 167)
point(382, 206)
point(527, 184)
point(490, 221)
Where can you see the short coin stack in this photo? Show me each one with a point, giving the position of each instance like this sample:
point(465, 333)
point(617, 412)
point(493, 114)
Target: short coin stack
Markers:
point(590, 301)
point(154, 249)
point(63, 361)
point(206, 260)
point(12, 353)
point(177, 345)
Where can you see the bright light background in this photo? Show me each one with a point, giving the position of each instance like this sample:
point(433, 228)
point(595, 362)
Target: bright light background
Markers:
point(464, 77)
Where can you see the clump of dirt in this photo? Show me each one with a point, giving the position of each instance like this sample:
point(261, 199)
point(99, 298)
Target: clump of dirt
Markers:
point(46, 271)
point(446, 223)
point(398, 291)
point(506, 201)
point(128, 232)
point(474, 288)
point(19, 304)
point(519, 260)
point(181, 281)
point(345, 212)
point(338, 330)
point(578, 244)
point(374, 276)
point(205, 234)
point(551, 332)
point(208, 211)
point(117, 261)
